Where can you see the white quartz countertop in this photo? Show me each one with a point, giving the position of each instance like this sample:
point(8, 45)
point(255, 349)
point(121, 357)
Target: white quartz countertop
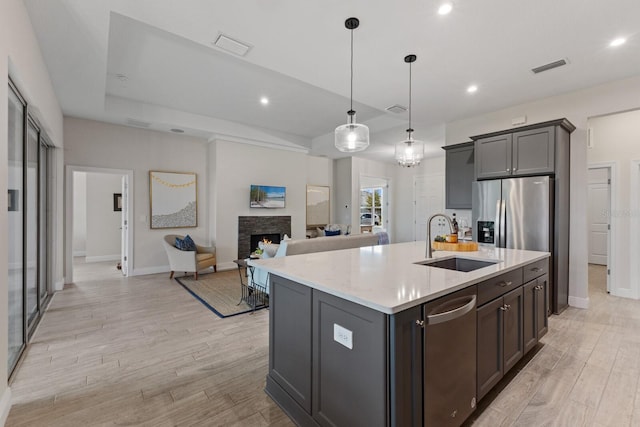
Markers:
point(386, 278)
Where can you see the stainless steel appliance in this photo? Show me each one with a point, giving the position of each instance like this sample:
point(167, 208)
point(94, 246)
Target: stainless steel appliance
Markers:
point(518, 213)
point(514, 213)
point(450, 359)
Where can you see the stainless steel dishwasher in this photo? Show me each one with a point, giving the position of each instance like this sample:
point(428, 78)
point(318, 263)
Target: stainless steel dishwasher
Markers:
point(450, 359)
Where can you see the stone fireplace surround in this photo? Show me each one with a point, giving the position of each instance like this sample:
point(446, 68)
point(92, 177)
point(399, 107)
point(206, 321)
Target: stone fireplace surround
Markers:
point(254, 225)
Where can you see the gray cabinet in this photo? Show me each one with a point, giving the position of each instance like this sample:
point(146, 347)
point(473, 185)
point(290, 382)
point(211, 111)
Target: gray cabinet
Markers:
point(500, 339)
point(341, 372)
point(526, 151)
point(493, 157)
point(535, 311)
point(460, 174)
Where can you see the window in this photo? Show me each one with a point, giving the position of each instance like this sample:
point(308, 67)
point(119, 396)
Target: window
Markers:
point(370, 207)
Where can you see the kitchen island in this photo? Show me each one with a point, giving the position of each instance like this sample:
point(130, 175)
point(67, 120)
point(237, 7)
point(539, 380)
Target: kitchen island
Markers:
point(371, 337)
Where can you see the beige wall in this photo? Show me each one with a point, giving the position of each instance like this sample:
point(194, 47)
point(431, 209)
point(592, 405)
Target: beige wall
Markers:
point(234, 167)
point(616, 139)
point(20, 57)
point(578, 107)
point(104, 237)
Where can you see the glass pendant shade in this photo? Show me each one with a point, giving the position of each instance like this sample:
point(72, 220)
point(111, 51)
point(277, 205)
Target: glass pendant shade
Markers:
point(352, 137)
point(409, 152)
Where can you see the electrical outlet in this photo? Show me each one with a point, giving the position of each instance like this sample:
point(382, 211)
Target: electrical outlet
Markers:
point(343, 336)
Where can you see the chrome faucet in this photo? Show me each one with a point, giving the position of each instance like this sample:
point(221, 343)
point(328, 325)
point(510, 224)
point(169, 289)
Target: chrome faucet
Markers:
point(429, 251)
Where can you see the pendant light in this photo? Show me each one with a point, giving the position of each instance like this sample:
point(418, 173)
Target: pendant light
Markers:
point(352, 136)
point(409, 152)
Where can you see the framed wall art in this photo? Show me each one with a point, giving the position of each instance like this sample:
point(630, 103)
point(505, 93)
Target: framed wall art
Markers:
point(173, 197)
point(318, 205)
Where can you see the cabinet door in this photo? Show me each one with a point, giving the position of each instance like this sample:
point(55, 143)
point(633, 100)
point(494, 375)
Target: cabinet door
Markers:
point(530, 312)
point(533, 151)
point(405, 368)
point(460, 174)
point(490, 346)
point(513, 339)
point(542, 305)
point(493, 157)
point(290, 339)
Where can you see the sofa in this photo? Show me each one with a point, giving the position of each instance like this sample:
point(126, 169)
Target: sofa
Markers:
point(319, 244)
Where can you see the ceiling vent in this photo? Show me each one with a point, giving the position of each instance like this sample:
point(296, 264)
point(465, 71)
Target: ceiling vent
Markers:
point(138, 123)
point(397, 109)
point(549, 66)
point(231, 45)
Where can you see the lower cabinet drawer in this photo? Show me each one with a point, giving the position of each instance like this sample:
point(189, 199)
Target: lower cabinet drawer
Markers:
point(535, 269)
point(499, 285)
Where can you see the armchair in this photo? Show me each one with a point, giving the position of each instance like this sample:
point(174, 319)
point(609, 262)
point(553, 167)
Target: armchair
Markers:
point(187, 261)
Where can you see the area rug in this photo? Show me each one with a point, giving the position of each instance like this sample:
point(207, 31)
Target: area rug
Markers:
point(220, 292)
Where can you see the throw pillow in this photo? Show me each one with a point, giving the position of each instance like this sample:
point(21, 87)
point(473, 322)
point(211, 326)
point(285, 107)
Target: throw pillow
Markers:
point(269, 251)
point(189, 243)
point(186, 244)
point(331, 233)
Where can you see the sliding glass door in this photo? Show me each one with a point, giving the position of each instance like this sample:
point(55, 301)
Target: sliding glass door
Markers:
point(15, 238)
point(28, 230)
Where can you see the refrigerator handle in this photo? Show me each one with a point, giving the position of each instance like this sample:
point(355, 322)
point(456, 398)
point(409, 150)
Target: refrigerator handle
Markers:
point(503, 224)
point(497, 229)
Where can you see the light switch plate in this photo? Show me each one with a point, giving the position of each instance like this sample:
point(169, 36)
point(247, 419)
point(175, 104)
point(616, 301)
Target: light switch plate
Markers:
point(343, 336)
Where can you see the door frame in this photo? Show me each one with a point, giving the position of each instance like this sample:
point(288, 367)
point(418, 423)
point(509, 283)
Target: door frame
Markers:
point(68, 217)
point(611, 252)
point(635, 225)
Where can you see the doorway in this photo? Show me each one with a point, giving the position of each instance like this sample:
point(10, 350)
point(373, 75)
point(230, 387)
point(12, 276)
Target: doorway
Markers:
point(98, 227)
point(374, 204)
point(599, 226)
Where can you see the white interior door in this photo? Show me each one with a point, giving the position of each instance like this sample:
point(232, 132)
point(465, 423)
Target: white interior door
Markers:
point(124, 250)
point(598, 215)
point(428, 198)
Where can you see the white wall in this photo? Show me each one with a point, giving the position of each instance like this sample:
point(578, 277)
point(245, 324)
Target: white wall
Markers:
point(104, 236)
point(20, 56)
point(578, 106)
point(236, 166)
point(96, 144)
point(79, 214)
point(616, 138)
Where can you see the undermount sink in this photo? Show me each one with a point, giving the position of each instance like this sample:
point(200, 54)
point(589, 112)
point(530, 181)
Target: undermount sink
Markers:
point(457, 264)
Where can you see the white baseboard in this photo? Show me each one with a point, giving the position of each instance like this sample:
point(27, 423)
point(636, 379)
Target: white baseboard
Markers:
point(227, 266)
point(148, 270)
point(59, 285)
point(5, 405)
point(624, 293)
point(102, 258)
point(79, 253)
point(579, 302)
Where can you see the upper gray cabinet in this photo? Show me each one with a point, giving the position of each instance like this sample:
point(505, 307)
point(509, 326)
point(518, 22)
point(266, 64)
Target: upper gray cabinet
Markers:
point(460, 174)
point(525, 151)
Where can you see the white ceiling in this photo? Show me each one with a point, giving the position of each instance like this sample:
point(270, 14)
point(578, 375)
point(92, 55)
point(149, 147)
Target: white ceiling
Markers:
point(300, 60)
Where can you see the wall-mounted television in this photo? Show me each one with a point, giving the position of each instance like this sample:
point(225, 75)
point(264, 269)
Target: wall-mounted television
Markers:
point(267, 196)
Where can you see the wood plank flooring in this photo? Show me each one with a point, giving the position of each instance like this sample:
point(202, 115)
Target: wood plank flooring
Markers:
point(142, 351)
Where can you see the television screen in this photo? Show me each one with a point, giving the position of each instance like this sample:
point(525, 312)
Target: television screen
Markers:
point(266, 196)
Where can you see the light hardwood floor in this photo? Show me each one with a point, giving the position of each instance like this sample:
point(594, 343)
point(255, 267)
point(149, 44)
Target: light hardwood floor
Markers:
point(142, 351)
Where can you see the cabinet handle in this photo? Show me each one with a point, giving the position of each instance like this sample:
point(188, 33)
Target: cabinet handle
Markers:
point(505, 307)
point(505, 284)
point(536, 269)
point(515, 169)
point(508, 169)
point(538, 288)
point(420, 323)
point(508, 306)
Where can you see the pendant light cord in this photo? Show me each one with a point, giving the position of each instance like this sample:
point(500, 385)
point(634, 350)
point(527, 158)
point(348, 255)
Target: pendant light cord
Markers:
point(351, 72)
point(410, 129)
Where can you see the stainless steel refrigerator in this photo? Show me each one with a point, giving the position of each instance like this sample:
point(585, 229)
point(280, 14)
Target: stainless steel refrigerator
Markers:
point(514, 213)
point(518, 213)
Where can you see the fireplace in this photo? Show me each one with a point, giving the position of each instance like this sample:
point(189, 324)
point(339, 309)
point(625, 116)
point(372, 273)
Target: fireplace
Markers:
point(255, 238)
point(257, 227)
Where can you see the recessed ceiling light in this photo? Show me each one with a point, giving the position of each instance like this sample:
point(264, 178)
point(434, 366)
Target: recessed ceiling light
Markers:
point(472, 89)
point(618, 42)
point(445, 8)
point(264, 100)
point(176, 130)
